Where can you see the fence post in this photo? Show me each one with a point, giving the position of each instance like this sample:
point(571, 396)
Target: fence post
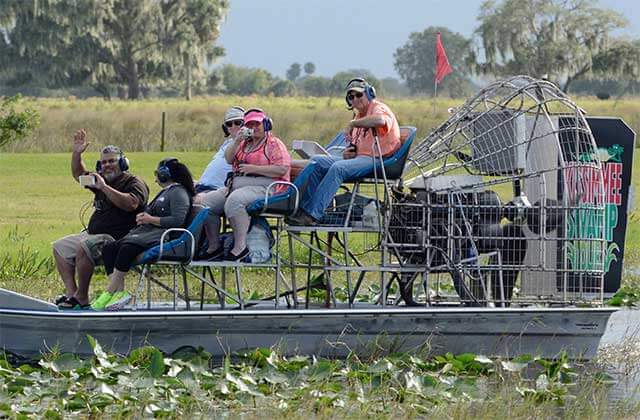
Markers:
point(162, 135)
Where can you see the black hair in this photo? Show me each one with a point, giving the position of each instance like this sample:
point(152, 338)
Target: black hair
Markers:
point(181, 174)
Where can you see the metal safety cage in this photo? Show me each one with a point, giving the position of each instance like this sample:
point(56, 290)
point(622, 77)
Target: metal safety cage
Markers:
point(509, 199)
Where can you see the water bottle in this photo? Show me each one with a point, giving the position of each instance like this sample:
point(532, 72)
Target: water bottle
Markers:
point(370, 215)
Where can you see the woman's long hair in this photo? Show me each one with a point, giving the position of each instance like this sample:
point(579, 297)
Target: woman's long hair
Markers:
point(181, 174)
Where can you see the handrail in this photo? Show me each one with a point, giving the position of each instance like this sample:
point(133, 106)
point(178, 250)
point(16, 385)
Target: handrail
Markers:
point(193, 242)
point(274, 183)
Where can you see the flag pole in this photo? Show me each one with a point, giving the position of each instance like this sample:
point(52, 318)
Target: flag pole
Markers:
point(435, 77)
point(442, 67)
point(435, 94)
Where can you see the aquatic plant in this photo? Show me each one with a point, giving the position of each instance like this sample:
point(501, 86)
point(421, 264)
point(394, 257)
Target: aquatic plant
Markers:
point(264, 382)
point(625, 296)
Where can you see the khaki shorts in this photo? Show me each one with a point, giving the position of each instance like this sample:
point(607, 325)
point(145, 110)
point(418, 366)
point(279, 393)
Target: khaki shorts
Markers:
point(92, 245)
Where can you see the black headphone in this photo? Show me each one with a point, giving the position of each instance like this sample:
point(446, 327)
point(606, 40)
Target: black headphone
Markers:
point(369, 90)
point(267, 123)
point(123, 162)
point(226, 131)
point(164, 171)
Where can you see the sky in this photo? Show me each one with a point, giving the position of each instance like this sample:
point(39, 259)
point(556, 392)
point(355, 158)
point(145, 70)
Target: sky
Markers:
point(338, 35)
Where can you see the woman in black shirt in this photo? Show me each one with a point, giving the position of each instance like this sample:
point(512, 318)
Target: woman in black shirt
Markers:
point(169, 209)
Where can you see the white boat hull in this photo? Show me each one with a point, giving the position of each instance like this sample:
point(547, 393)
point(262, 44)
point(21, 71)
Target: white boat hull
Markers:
point(504, 332)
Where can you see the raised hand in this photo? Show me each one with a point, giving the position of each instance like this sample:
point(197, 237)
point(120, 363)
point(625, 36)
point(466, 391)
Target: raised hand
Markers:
point(80, 142)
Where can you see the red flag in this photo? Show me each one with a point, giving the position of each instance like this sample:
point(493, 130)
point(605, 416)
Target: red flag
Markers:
point(442, 63)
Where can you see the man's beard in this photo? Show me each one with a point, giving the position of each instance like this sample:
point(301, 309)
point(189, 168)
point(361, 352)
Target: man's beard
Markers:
point(110, 176)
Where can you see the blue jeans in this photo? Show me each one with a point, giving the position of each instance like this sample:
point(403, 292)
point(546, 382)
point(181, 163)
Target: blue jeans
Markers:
point(327, 176)
point(204, 188)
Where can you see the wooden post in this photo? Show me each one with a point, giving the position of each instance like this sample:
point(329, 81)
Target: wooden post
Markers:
point(162, 135)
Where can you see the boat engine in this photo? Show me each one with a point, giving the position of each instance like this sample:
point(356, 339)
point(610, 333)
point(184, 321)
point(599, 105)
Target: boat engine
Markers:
point(450, 231)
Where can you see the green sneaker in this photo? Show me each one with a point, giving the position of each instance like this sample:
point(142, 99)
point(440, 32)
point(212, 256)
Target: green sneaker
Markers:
point(118, 301)
point(101, 301)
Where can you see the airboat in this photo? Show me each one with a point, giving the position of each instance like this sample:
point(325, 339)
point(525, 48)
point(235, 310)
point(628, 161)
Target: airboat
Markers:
point(500, 233)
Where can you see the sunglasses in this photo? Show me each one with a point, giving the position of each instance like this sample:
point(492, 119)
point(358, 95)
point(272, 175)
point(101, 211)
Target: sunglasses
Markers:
point(351, 96)
point(108, 161)
point(237, 123)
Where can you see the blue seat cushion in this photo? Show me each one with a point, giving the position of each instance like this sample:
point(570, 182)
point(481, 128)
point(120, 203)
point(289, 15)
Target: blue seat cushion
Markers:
point(178, 249)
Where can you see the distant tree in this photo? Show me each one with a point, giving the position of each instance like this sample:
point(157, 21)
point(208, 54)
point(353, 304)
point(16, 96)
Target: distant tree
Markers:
point(294, 72)
point(215, 82)
point(560, 38)
point(316, 86)
point(108, 43)
point(48, 43)
point(309, 68)
point(621, 61)
point(283, 88)
point(415, 61)
point(245, 81)
point(394, 87)
point(191, 29)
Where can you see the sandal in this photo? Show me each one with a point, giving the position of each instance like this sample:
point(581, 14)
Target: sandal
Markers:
point(60, 299)
point(73, 304)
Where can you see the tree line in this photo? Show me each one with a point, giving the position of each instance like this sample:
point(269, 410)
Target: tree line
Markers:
point(133, 47)
point(109, 43)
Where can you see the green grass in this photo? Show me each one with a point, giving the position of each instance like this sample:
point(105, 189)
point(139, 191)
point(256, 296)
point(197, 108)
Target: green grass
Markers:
point(40, 202)
point(195, 125)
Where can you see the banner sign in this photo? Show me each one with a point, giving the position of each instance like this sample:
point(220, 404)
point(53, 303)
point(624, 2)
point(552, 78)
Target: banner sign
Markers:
point(615, 142)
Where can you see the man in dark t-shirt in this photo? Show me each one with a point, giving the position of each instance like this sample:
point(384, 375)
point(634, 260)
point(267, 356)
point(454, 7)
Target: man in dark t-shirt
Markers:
point(118, 197)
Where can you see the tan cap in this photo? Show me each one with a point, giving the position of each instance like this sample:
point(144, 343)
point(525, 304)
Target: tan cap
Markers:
point(357, 85)
point(234, 113)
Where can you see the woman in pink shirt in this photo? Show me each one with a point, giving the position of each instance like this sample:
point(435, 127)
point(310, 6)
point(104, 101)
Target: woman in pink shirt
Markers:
point(258, 160)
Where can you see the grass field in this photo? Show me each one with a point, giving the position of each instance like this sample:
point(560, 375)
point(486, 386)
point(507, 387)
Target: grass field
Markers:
point(39, 201)
point(195, 125)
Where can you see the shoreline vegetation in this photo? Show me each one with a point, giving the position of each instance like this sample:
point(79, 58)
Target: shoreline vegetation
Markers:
point(262, 381)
